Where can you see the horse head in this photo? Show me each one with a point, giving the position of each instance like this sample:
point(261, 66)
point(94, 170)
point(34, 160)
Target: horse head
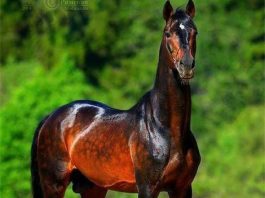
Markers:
point(180, 39)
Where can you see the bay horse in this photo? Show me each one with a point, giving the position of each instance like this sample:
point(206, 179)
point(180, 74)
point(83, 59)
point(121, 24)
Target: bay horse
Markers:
point(146, 149)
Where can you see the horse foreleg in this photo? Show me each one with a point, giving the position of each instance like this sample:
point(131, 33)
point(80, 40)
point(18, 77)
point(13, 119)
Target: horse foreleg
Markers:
point(145, 191)
point(184, 193)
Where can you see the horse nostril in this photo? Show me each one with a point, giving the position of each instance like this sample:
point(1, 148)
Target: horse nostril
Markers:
point(181, 63)
point(193, 64)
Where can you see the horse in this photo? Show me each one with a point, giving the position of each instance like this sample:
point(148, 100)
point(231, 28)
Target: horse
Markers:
point(146, 149)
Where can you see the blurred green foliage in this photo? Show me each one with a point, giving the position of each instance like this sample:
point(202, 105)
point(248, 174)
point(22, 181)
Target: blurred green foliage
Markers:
point(108, 51)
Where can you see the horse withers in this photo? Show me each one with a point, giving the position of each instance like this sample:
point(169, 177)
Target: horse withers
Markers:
point(146, 149)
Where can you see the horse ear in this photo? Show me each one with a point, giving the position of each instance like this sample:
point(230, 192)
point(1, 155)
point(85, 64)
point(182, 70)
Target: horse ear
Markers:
point(190, 9)
point(168, 10)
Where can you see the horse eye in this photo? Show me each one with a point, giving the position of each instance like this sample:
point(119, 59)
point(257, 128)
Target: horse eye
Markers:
point(168, 34)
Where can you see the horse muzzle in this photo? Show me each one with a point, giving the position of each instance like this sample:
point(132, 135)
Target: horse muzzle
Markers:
point(185, 72)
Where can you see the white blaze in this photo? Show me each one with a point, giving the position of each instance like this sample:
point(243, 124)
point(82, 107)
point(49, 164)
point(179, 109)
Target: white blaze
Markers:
point(182, 26)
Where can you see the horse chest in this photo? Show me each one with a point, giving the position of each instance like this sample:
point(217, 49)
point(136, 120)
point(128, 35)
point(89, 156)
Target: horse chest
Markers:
point(159, 146)
point(181, 167)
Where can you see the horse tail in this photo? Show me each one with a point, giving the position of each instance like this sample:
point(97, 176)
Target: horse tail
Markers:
point(35, 178)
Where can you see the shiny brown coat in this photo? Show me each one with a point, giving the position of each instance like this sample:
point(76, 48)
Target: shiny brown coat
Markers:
point(146, 149)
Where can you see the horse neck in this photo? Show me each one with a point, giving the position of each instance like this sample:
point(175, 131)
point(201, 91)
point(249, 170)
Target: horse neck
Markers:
point(171, 98)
